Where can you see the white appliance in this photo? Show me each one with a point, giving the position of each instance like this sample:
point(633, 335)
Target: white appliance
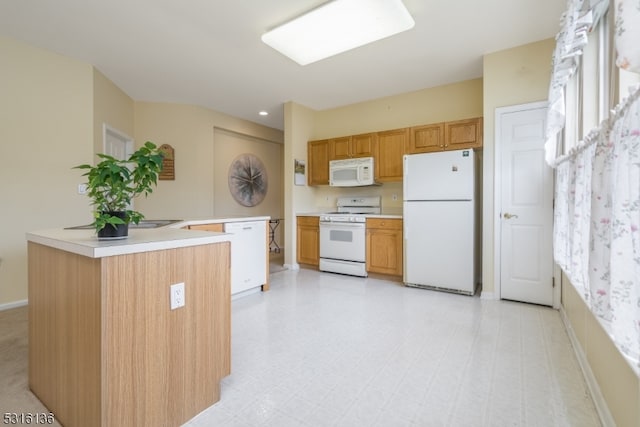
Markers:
point(343, 233)
point(351, 172)
point(439, 220)
point(248, 255)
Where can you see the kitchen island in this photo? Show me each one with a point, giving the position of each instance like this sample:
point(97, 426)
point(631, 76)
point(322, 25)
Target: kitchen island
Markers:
point(105, 348)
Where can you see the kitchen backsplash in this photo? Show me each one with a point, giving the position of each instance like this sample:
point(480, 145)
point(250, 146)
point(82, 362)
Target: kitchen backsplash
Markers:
point(391, 193)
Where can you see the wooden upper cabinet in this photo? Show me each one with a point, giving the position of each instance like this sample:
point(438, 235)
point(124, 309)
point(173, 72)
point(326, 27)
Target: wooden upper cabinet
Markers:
point(363, 145)
point(340, 148)
point(425, 139)
point(348, 147)
point(389, 151)
point(463, 134)
point(388, 147)
point(318, 162)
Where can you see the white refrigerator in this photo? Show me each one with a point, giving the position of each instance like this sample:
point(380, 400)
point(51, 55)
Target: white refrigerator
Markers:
point(439, 220)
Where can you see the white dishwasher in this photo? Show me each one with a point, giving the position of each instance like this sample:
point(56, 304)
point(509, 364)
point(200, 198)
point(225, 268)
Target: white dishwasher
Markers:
point(248, 255)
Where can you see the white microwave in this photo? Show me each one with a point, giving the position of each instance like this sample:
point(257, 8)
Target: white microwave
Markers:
point(352, 172)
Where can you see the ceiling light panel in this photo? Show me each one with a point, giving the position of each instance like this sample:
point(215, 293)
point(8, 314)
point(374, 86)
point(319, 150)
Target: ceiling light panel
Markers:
point(338, 26)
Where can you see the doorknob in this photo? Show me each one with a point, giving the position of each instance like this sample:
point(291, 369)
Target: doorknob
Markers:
point(507, 215)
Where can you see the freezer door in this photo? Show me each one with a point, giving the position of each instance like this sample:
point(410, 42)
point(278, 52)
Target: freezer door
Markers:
point(439, 244)
point(445, 175)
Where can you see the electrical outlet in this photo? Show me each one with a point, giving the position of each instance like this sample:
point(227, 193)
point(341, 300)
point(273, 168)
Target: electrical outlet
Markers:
point(82, 188)
point(394, 197)
point(177, 295)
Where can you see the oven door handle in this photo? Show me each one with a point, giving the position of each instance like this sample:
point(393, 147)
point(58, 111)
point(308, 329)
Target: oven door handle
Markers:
point(344, 225)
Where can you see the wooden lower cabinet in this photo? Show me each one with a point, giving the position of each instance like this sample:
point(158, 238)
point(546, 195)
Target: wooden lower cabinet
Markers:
point(217, 227)
point(308, 240)
point(384, 246)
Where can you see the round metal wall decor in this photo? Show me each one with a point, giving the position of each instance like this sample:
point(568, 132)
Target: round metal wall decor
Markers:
point(248, 181)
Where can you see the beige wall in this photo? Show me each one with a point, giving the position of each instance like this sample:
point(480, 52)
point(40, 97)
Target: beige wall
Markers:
point(46, 128)
point(511, 77)
point(226, 147)
point(190, 131)
point(111, 106)
point(443, 103)
point(619, 384)
point(298, 129)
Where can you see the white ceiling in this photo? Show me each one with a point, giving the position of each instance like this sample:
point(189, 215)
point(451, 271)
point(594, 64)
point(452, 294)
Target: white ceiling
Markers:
point(209, 52)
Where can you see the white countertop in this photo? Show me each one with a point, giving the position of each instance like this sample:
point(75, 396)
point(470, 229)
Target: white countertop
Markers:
point(218, 220)
point(383, 215)
point(85, 242)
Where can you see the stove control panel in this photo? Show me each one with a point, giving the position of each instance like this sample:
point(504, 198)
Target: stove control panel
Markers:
point(343, 218)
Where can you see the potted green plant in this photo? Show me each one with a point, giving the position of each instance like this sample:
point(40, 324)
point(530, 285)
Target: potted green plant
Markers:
point(113, 183)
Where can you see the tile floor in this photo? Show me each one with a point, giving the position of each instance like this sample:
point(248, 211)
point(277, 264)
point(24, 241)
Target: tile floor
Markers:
point(329, 350)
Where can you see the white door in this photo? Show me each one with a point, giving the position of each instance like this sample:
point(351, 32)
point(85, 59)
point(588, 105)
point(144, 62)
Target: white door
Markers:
point(116, 143)
point(526, 214)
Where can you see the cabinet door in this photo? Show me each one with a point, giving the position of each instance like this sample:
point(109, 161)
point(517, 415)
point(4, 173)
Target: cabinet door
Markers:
point(318, 162)
point(308, 240)
point(384, 246)
point(218, 227)
point(340, 148)
point(389, 152)
point(463, 134)
point(425, 139)
point(363, 145)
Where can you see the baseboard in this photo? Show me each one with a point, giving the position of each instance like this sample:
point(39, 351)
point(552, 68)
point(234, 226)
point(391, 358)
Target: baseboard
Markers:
point(594, 388)
point(487, 295)
point(15, 304)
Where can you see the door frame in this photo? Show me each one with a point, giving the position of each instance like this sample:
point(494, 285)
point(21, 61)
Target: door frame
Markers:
point(110, 130)
point(497, 200)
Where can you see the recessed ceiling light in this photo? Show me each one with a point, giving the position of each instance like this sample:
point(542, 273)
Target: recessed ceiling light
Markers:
point(263, 113)
point(338, 26)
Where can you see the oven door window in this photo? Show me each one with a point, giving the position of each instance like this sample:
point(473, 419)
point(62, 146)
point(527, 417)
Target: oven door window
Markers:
point(341, 236)
point(345, 242)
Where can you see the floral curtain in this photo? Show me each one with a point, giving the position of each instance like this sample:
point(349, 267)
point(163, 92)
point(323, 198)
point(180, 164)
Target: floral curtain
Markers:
point(622, 241)
point(579, 19)
point(597, 224)
point(597, 202)
point(628, 34)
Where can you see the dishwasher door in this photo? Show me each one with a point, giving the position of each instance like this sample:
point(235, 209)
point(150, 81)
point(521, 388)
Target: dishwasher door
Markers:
point(248, 254)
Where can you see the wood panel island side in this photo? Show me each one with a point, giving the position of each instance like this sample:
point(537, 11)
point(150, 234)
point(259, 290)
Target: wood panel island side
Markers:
point(105, 349)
